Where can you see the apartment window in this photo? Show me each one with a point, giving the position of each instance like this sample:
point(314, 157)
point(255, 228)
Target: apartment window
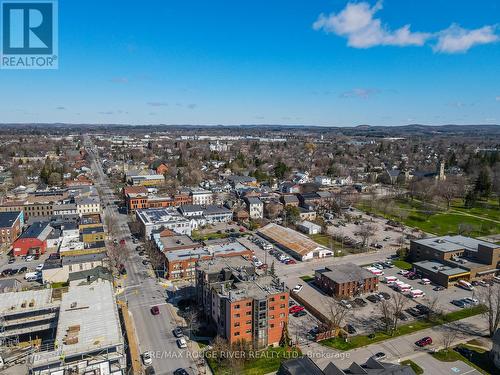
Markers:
point(237, 306)
point(271, 317)
point(248, 331)
point(282, 315)
point(237, 324)
point(236, 315)
point(249, 303)
point(282, 297)
point(272, 299)
point(249, 313)
point(282, 306)
point(272, 325)
point(236, 333)
point(248, 322)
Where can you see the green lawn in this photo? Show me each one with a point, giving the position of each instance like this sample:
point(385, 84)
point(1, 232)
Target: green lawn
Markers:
point(328, 241)
point(441, 222)
point(416, 368)
point(402, 264)
point(263, 362)
point(363, 340)
point(307, 278)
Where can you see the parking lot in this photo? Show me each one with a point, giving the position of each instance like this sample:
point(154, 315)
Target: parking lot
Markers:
point(22, 265)
point(384, 235)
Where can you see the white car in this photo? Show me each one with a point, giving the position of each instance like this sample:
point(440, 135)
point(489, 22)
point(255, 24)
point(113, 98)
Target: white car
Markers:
point(472, 301)
point(346, 304)
point(147, 359)
point(297, 288)
point(29, 258)
point(425, 281)
point(39, 267)
point(182, 343)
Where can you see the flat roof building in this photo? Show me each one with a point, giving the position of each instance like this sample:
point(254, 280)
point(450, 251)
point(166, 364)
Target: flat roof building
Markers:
point(346, 280)
point(296, 244)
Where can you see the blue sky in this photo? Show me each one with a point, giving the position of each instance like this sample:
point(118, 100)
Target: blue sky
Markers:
point(316, 62)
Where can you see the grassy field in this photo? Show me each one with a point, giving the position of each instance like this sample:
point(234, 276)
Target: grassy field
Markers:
point(402, 264)
point(416, 368)
point(264, 362)
point(363, 340)
point(307, 278)
point(439, 221)
point(328, 241)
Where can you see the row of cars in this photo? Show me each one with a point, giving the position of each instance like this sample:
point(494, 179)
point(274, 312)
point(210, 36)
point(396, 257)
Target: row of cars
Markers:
point(266, 246)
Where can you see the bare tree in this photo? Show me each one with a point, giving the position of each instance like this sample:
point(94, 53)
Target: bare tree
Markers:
point(391, 311)
point(336, 315)
point(490, 297)
point(116, 257)
point(449, 335)
point(156, 258)
point(192, 319)
point(364, 232)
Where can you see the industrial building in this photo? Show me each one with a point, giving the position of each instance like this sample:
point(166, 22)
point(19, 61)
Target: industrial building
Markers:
point(294, 243)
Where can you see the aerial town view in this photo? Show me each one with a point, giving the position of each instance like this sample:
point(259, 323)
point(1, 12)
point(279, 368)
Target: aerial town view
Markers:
point(262, 187)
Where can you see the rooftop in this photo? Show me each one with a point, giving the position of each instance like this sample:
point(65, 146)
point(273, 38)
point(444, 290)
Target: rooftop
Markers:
point(28, 300)
point(7, 219)
point(35, 229)
point(289, 239)
point(455, 243)
point(165, 215)
point(343, 273)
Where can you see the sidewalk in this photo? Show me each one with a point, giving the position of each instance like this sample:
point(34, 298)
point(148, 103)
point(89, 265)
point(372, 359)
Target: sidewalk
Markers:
point(131, 339)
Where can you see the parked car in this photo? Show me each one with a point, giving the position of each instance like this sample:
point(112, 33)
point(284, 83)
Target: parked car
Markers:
point(360, 302)
point(122, 241)
point(439, 288)
point(425, 281)
point(402, 316)
point(384, 295)
point(372, 298)
point(295, 309)
point(297, 288)
point(147, 359)
point(346, 304)
point(180, 371)
point(155, 310)
point(29, 258)
point(11, 260)
point(178, 332)
point(182, 343)
point(290, 261)
point(23, 269)
point(150, 371)
point(471, 301)
point(298, 314)
point(350, 329)
point(424, 342)
point(423, 309)
point(459, 303)
point(379, 356)
point(414, 312)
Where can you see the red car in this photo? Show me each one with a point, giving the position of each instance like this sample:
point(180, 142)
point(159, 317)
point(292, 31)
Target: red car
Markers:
point(290, 261)
point(295, 309)
point(122, 242)
point(424, 342)
point(155, 310)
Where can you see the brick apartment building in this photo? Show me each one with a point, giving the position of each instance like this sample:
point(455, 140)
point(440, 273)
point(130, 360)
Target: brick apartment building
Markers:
point(241, 305)
point(137, 198)
point(11, 225)
point(346, 280)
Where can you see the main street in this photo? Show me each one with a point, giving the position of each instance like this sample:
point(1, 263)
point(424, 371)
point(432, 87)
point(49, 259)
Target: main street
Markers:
point(141, 291)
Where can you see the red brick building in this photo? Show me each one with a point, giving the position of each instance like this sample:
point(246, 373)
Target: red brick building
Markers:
point(346, 280)
point(137, 198)
point(11, 225)
point(33, 241)
point(241, 305)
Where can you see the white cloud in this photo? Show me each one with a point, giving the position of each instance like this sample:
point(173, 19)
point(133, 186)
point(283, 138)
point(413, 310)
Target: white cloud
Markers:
point(359, 93)
point(456, 39)
point(356, 22)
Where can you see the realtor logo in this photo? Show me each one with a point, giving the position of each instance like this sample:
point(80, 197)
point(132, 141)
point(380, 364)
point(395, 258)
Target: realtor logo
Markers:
point(28, 34)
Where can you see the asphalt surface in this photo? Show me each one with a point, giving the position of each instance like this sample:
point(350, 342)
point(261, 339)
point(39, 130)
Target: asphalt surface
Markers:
point(141, 292)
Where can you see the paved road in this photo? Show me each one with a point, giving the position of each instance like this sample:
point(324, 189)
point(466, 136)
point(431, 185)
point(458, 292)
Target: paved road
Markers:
point(141, 292)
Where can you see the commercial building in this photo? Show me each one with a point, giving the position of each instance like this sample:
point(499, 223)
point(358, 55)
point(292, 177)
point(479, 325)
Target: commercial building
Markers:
point(181, 264)
point(146, 180)
point(138, 197)
point(309, 228)
point(201, 196)
point(346, 280)
point(59, 270)
point(454, 258)
point(162, 218)
point(88, 205)
point(294, 243)
point(239, 304)
point(88, 336)
point(33, 241)
point(11, 225)
point(27, 312)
